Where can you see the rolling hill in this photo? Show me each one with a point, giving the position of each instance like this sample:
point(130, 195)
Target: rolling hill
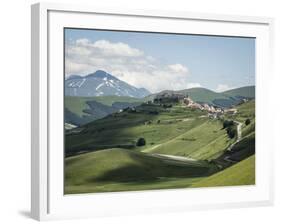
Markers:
point(177, 128)
point(183, 148)
point(118, 169)
point(125, 128)
point(246, 91)
point(192, 144)
point(81, 110)
point(242, 173)
point(223, 99)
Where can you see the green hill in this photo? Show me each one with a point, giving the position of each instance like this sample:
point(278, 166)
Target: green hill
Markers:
point(120, 169)
point(102, 155)
point(242, 173)
point(174, 131)
point(192, 144)
point(123, 129)
point(81, 110)
point(223, 99)
point(246, 91)
point(197, 94)
point(203, 95)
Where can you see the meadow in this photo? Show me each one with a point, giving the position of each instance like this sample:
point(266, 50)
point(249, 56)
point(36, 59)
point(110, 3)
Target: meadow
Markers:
point(183, 148)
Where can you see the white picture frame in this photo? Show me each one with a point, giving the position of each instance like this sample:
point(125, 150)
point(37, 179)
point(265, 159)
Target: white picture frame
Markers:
point(48, 201)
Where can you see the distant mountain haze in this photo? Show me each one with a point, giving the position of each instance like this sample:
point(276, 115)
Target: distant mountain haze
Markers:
point(101, 83)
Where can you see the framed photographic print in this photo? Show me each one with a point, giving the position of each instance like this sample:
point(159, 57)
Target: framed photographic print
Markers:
point(148, 111)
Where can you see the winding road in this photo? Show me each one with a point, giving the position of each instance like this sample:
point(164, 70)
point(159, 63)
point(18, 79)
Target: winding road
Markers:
point(239, 131)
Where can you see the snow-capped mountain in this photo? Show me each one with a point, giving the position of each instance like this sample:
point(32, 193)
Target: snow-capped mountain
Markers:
point(101, 83)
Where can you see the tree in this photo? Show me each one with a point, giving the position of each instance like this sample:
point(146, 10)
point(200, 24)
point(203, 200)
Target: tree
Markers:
point(247, 121)
point(141, 142)
point(231, 131)
point(227, 123)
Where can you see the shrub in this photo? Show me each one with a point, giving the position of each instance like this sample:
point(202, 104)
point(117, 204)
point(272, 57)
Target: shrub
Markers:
point(247, 121)
point(153, 112)
point(231, 131)
point(141, 142)
point(227, 123)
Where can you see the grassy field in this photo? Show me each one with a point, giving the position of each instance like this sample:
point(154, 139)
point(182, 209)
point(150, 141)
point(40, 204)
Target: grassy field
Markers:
point(245, 110)
point(102, 155)
point(125, 128)
point(242, 173)
point(114, 169)
point(191, 143)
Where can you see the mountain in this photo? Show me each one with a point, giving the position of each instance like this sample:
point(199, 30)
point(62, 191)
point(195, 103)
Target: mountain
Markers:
point(224, 99)
point(101, 83)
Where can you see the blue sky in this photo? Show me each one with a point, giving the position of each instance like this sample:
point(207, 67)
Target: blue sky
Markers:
point(148, 59)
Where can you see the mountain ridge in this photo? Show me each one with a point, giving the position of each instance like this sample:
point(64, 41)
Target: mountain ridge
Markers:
point(101, 83)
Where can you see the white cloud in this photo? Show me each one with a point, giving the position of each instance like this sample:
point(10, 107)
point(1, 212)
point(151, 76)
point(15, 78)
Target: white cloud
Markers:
point(178, 68)
point(120, 49)
point(126, 63)
point(223, 87)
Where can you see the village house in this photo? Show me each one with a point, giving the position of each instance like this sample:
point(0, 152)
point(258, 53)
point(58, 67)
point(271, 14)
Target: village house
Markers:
point(191, 104)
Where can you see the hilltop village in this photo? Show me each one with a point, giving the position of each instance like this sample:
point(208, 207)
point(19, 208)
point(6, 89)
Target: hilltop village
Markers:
point(185, 100)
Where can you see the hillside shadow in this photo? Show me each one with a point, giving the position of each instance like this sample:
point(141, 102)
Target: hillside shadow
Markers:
point(108, 132)
point(150, 169)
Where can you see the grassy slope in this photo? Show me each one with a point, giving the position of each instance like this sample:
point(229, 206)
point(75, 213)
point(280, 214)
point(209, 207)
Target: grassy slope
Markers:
point(245, 111)
point(246, 91)
point(181, 131)
point(125, 128)
point(109, 100)
point(120, 169)
point(192, 144)
point(204, 95)
point(78, 104)
point(243, 173)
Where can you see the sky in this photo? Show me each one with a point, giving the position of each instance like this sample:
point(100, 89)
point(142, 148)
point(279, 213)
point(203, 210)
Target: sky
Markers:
point(161, 61)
